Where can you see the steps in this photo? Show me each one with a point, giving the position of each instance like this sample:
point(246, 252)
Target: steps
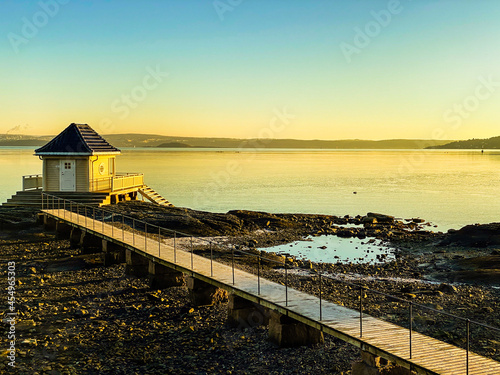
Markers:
point(33, 198)
point(151, 195)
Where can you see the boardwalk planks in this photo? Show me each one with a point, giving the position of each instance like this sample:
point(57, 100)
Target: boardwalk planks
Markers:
point(429, 356)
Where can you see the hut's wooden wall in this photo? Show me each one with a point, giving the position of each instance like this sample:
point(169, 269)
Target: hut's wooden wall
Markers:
point(82, 174)
point(52, 171)
point(51, 174)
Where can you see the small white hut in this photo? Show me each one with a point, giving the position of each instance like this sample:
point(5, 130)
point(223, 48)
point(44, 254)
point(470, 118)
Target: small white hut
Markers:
point(81, 165)
point(78, 160)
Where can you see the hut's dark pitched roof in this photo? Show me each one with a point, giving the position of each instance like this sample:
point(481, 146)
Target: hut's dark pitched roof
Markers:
point(77, 139)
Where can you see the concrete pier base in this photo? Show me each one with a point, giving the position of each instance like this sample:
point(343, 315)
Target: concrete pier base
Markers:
point(203, 294)
point(288, 332)
point(242, 313)
point(63, 230)
point(113, 253)
point(89, 243)
point(370, 364)
point(49, 223)
point(75, 237)
point(161, 277)
point(137, 265)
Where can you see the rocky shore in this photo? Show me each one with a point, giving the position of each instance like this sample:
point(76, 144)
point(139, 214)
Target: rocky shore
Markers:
point(78, 317)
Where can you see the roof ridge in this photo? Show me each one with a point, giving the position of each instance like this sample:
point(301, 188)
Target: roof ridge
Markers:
point(77, 139)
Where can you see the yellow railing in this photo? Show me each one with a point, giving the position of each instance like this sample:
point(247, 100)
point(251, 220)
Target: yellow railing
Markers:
point(32, 181)
point(118, 182)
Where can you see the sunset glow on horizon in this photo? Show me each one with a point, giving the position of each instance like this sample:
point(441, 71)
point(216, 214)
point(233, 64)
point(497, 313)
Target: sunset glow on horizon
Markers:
point(249, 69)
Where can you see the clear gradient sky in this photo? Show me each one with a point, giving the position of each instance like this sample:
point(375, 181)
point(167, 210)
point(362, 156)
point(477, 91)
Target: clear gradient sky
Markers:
point(343, 68)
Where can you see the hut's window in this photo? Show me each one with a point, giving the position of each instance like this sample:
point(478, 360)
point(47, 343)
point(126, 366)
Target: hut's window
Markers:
point(67, 165)
point(101, 168)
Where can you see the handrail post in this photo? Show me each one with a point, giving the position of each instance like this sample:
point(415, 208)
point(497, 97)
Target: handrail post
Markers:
point(320, 298)
point(360, 311)
point(258, 274)
point(411, 327)
point(102, 220)
point(159, 242)
point(468, 346)
point(123, 228)
point(232, 260)
point(211, 260)
point(133, 231)
point(85, 216)
point(93, 218)
point(286, 285)
point(175, 247)
point(112, 222)
point(192, 252)
point(64, 207)
point(42, 201)
point(145, 236)
point(71, 210)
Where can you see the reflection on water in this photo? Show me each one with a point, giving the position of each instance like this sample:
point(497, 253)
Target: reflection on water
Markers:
point(448, 188)
point(333, 249)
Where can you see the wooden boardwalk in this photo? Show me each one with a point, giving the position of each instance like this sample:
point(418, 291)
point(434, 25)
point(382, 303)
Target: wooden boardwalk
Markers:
point(429, 356)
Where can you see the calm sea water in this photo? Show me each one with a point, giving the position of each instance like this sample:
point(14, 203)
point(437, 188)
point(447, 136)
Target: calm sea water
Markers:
point(448, 188)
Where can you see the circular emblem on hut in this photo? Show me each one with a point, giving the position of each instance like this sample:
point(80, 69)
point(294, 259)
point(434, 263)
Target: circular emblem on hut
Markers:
point(101, 168)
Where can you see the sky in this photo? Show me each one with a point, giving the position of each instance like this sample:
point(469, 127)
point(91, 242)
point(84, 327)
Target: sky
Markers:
point(305, 69)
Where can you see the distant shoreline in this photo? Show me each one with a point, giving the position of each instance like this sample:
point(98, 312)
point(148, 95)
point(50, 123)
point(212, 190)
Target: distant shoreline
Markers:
point(160, 141)
point(151, 140)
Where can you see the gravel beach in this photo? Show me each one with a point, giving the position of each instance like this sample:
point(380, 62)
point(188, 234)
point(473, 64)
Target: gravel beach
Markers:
point(76, 316)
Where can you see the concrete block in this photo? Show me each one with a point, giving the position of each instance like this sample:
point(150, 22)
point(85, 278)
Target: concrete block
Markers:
point(161, 276)
point(63, 229)
point(137, 265)
point(242, 313)
point(204, 294)
point(287, 332)
point(113, 253)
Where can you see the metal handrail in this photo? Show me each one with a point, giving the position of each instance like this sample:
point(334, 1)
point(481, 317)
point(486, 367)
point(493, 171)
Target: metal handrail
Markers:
point(109, 182)
point(362, 289)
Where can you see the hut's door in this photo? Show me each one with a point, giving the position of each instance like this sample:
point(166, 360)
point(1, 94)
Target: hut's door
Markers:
point(67, 180)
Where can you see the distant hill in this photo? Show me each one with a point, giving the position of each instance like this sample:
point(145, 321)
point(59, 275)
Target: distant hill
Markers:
point(14, 140)
point(471, 144)
point(143, 140)
point(174, 145)
point(154, 140)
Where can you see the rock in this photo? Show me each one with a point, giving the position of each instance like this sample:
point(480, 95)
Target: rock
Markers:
point(369, 220)
point(81, 313)
point(381, 218)
point(31, 342)
point(447, 289)
point(478, 235)
point(252, 243)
